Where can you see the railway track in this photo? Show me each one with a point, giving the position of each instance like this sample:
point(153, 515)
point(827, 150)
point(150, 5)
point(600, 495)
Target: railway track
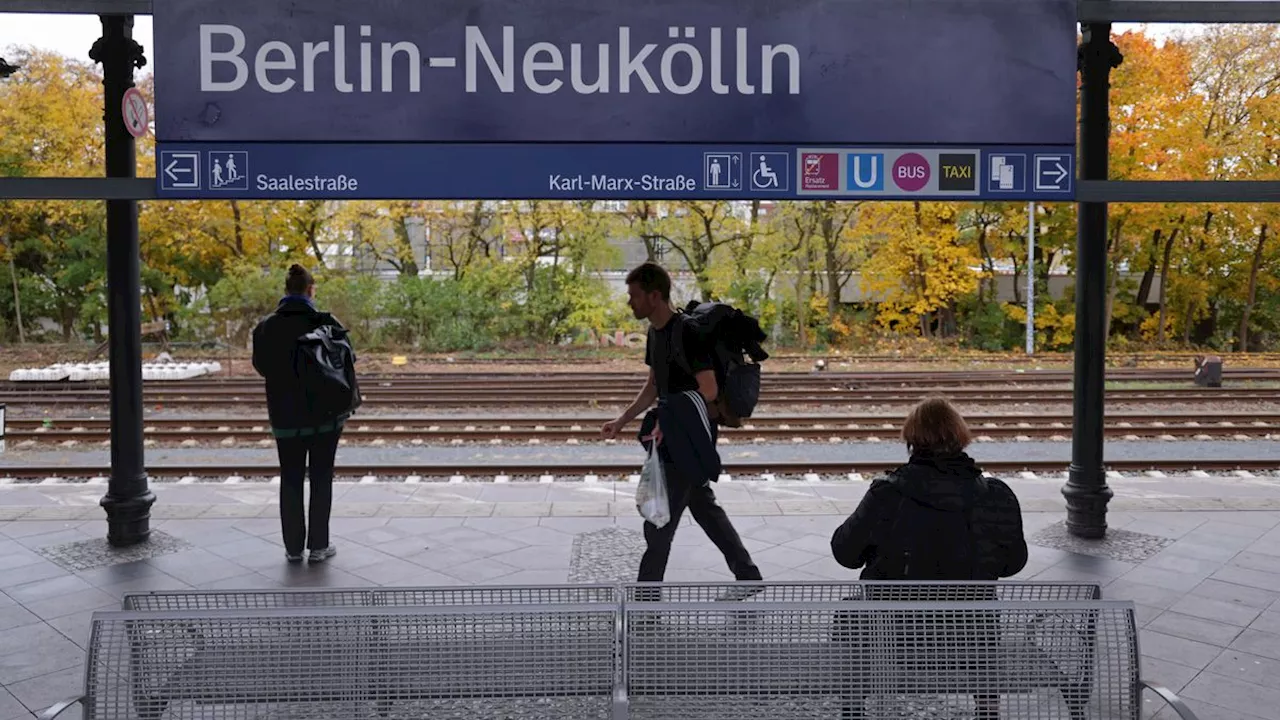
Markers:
point(588, 472)
point(600, 381)
point(569, 397)
point(232, 431)
point(515, 422)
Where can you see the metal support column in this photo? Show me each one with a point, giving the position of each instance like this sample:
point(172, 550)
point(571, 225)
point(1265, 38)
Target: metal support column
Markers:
point(1086, 489)
point(128, 500)
point(1031, 277)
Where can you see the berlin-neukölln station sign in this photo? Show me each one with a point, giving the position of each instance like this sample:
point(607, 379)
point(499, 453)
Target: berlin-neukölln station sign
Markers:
point(616, 99)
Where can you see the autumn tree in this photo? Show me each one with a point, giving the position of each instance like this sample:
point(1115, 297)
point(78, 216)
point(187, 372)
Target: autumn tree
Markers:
point(919, 267)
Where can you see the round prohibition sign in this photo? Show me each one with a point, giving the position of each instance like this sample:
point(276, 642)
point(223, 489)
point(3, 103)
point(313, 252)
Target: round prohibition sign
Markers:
point(134, 110)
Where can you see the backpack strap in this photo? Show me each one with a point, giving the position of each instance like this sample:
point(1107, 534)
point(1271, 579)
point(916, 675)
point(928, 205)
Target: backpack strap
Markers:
point(677, 339)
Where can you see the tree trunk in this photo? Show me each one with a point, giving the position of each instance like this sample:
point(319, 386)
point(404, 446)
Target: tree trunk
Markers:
point(17, 296)
point(239, 230)
point(833, 269)
point(1149, 275)
point(1164, 283)
point(802, 299)
point(1017, 282)
point(989, 264)
point(408, 263)
point(313, 240)
point(1111, 300)
point(1253, 289)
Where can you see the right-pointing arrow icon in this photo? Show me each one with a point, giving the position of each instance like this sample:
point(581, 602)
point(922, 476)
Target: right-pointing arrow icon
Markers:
point(1053, 173)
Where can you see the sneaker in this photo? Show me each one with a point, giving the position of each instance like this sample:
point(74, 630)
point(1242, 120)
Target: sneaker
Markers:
point(740, 592)
point(318, 556)
point(293, 557)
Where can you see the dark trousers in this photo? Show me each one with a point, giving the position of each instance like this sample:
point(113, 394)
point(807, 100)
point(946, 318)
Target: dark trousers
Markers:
point(296, 453)
point(700, 499)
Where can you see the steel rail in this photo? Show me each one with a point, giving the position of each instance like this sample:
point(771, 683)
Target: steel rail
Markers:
point(1026, 396)
point(610, 469)
point(512, 422)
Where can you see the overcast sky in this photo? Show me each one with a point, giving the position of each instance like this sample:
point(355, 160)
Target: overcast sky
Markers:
point(73, 35)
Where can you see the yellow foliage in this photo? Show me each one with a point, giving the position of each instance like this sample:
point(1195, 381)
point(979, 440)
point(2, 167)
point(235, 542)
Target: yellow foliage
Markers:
point(919, 264)
point(1055, 330)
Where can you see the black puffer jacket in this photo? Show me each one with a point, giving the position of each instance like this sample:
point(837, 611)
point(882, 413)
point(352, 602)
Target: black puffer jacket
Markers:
point(274, 347)
point(939, 508)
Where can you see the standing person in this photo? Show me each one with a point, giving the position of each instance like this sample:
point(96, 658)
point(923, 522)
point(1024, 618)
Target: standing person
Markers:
point(305, 438)
point(686, 446)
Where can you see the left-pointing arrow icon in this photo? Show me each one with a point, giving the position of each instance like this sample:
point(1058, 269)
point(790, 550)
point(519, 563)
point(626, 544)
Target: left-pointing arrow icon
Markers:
point(172, 170)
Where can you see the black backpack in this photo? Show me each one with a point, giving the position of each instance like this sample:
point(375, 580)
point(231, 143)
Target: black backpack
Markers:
point(325, 365)
point(732, 336)
point(925, 543)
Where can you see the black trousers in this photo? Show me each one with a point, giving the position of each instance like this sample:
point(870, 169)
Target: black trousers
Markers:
point(700, 500)
point(296, 454)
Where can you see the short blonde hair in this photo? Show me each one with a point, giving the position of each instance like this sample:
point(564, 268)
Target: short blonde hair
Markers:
point(936, 427)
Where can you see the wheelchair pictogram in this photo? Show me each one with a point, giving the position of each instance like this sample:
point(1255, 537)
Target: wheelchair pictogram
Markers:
point(769, 171)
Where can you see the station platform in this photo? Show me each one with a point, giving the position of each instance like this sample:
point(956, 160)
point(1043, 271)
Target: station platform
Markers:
point(1206, 581)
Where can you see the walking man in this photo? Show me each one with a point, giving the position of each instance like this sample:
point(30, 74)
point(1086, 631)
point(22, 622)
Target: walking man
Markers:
point(304, 437)
point(690, 461)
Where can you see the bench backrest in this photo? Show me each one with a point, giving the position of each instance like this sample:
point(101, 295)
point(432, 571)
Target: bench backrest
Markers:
point(881, 590)
point(820, 591)
point(444, 662)
point(772, 660)
point(161, 600)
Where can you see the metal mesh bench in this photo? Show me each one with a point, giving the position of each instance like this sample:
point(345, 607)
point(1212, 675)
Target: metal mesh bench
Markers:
point(870, 659)
point(814, 650)
point(552, 661)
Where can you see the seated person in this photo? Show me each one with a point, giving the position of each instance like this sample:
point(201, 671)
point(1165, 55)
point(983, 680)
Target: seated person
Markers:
point(937, 517)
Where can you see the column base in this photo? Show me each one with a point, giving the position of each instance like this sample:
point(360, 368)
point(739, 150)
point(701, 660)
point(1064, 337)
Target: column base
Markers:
point(128, 518)
point(1087, 496)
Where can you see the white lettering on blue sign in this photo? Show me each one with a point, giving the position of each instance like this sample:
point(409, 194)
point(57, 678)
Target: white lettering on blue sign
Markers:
point(679, 68)
point(314, 183)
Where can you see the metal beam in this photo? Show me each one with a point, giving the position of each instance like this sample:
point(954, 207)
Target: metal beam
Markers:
point(1178, 11)
point(1088, 11)
point(57, 188)
point(1171, 191)
point(78, 7)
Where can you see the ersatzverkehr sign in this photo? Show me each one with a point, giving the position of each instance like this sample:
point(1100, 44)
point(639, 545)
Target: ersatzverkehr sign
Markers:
point(761, 91)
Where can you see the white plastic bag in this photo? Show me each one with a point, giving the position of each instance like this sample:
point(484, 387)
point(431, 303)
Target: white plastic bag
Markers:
point(651, 494)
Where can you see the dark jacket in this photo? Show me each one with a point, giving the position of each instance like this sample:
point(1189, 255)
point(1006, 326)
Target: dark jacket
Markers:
point(941, 505)
point(275, 357)
point(688, 436)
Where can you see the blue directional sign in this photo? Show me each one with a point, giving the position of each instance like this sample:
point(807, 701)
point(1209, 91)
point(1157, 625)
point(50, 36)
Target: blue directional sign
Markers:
point(598, 171)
